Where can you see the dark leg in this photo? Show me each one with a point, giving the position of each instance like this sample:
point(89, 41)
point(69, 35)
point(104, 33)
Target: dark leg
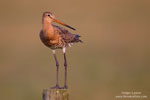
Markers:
point(57, 71)
point(65, 65)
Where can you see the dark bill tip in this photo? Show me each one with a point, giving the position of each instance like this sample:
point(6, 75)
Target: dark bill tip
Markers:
point(70, 27)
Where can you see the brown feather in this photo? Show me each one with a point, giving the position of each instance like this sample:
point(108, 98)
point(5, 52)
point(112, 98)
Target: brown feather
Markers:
point(55, 36)
point(67, 36)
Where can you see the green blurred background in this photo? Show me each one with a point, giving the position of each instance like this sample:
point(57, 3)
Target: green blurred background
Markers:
point(114, 57)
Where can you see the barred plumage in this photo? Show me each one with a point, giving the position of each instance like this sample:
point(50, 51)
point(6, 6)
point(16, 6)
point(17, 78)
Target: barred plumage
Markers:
point(65, 38)
point(56, 37)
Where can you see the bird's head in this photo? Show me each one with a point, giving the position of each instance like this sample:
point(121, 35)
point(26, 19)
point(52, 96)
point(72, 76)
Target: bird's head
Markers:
point(49, 17)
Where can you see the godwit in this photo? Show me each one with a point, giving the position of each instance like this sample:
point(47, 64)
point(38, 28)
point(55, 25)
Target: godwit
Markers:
point(56, 37)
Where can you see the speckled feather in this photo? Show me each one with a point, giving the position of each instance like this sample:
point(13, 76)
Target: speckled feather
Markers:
point(65, 38)
point(54, 36)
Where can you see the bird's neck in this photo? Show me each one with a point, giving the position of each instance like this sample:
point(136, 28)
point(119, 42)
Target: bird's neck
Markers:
point(47, 25)
point(48, 30)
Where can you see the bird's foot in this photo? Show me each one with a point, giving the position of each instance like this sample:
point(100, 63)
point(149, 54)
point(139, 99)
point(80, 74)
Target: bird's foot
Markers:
point(56, 87)
point(65, 87)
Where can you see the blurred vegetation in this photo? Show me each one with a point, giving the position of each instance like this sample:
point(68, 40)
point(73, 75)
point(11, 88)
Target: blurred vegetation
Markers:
point(114, 57)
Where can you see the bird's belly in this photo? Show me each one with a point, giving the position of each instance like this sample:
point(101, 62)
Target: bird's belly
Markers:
point(53, 44)
point(57, 43)
point(52, 41)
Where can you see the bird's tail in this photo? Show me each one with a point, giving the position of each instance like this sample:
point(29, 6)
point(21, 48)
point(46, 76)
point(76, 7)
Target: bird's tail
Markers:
point(77, 38)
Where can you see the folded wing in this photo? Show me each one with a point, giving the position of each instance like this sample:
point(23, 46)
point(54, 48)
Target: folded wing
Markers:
point(67, 36)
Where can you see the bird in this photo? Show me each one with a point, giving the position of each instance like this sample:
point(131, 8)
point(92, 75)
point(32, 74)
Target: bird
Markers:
point(56, 37)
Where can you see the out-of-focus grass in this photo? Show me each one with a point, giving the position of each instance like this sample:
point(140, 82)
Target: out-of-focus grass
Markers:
point(113, 58)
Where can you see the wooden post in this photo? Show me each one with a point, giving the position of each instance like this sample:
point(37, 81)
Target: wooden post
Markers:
point(55, 94)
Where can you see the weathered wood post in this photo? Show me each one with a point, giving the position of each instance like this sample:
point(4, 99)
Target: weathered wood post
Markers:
point(55, 94)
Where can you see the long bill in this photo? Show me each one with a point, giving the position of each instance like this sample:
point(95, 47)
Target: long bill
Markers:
point(59, 22)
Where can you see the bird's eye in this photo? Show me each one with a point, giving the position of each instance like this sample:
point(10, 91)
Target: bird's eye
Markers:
point(48, 15)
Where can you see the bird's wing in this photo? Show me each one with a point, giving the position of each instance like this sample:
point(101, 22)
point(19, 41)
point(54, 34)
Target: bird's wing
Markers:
point(67, 36)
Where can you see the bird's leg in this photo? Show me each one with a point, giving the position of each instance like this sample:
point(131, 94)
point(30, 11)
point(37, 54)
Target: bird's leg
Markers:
point(65, 65)
point(57, 71)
